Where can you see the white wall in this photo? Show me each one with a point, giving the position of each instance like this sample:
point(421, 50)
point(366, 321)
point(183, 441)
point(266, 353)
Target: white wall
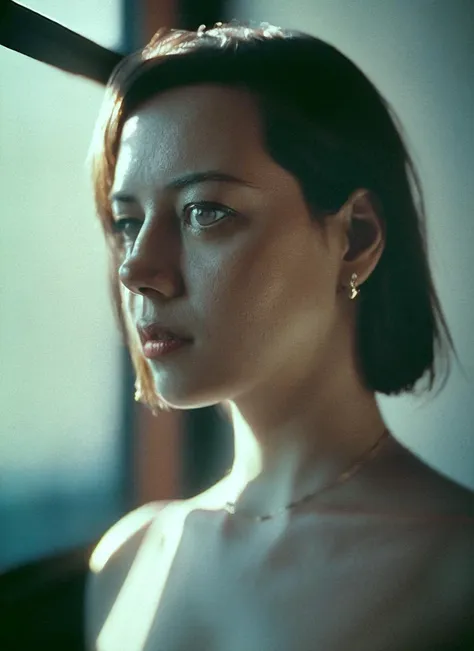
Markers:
point(420, 54)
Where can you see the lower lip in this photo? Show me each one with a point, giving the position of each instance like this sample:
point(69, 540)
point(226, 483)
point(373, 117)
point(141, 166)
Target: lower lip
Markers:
point(156, 349)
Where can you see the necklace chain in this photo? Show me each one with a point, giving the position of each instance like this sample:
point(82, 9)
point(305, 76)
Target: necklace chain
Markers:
point(344, 476)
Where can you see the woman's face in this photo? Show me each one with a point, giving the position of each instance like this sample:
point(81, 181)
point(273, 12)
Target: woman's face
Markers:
point(236, 263)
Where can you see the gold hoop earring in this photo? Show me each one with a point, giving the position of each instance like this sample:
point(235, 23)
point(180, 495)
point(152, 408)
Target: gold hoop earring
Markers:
point(354, 290)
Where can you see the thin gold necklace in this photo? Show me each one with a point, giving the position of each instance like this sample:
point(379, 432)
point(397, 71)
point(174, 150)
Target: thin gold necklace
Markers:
point(344, 476)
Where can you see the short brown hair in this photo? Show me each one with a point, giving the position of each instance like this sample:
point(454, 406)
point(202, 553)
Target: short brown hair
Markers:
point(327, 124)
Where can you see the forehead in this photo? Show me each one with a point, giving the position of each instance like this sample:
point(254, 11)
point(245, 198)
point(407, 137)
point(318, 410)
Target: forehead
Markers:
point(190, 128)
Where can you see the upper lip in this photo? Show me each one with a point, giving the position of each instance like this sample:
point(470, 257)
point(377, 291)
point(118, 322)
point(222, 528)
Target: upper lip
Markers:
point(157, 329)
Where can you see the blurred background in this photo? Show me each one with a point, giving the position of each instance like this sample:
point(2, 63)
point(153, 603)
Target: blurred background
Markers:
point(76, 451)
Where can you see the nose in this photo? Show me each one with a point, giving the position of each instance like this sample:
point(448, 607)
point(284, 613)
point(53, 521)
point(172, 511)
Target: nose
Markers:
point(152, 264)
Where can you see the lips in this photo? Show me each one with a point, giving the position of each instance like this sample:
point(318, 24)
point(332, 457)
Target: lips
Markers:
point(157, 332)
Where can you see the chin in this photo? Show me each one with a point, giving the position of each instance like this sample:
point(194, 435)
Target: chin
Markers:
point(197, 386)
point(182, 400)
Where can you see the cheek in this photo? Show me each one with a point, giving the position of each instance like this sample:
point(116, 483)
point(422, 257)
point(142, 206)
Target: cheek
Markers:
point(131, 309)
point(266, 291)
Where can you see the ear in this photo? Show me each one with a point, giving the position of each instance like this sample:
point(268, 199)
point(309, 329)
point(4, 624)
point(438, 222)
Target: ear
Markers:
point(364, 236)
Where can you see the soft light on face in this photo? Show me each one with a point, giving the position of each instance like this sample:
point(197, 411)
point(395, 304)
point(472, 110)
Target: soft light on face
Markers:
point(129, 128)
point(127, 146)
point(238, 263)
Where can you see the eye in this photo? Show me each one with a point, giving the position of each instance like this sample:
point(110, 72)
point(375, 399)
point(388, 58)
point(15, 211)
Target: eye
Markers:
point(204, 214)
point(127, 228)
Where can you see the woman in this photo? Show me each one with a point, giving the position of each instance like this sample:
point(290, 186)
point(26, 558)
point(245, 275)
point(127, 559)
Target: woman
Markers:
point(266, 232)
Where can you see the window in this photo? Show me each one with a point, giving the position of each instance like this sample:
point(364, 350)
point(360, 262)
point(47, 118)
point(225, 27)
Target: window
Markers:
point(60, 352)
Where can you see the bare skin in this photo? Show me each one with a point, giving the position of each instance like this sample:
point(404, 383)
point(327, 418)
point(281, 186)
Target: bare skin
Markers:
point(265, 280)
point(341, 573)
point(262, 292)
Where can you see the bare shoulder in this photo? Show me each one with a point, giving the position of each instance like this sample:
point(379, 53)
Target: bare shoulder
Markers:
point(448, 507)
point(440, 509)
point(431, 492)
point(428, 518)
point(110, 562)
point(404, 484)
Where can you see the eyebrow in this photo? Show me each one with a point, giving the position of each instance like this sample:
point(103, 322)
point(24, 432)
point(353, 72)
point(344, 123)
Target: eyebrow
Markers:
point(185, 181)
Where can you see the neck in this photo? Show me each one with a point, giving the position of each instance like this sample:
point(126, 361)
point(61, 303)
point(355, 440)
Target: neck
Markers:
point(294, 441)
